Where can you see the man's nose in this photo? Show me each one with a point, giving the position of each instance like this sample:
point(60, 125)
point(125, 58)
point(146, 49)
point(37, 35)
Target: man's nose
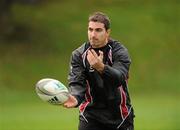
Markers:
point(93, 33)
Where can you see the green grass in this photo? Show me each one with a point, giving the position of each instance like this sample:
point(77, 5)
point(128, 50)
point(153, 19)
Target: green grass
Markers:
point(157, 112)
point(25, 111)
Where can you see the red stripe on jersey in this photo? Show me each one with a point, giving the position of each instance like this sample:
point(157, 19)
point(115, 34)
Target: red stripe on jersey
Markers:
point(123, 107)
point(88, 94)
point(88, 97)
point(83, 106)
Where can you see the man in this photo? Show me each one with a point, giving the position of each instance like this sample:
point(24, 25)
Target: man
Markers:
point(98, 80)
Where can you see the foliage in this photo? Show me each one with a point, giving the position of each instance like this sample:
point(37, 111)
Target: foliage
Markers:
point(48, 33)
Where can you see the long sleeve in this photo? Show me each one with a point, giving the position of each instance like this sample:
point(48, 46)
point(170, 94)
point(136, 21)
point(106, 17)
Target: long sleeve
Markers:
point(118, 72)
point(77, 82)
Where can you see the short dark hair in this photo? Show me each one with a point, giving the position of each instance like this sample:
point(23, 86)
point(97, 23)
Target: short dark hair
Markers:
point(100, 17)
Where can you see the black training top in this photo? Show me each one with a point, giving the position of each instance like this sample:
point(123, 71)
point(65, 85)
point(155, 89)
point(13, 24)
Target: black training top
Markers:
point(101, 96)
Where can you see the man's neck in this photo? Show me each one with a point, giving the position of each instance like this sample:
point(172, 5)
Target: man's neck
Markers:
point(101, 45)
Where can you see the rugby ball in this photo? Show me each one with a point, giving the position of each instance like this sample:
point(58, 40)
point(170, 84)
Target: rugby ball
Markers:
point(52, 91)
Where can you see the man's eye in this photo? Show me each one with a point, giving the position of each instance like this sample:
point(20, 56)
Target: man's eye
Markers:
point(98, 29)
point(90, 29)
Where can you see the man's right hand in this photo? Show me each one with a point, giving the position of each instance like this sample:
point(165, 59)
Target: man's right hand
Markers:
point(71, 102)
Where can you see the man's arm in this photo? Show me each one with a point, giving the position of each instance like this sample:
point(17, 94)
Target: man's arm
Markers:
point(115, 73)
point(119, 70)
point(77, 84)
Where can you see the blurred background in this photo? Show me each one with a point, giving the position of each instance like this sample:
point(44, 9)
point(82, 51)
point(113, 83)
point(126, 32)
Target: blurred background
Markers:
point(38, 36)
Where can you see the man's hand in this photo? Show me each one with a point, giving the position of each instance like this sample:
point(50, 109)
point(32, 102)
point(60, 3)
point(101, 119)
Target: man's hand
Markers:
point(71, 102)
point(95, 61)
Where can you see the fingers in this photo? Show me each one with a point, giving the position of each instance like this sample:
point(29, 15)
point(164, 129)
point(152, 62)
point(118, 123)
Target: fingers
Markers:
point(90, 57)
point(71, 102)
point(93, 57)
point(95, 60)
point(101, 55)
point(92, 51)
point(93, 54)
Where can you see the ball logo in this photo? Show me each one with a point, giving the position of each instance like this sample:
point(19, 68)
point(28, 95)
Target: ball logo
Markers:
point(53, 100)
point(60, 86)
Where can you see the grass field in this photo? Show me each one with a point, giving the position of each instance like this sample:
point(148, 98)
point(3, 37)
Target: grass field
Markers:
point(25, 111)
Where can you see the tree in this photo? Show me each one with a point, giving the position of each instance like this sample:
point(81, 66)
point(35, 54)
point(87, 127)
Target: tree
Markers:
point(7, 25)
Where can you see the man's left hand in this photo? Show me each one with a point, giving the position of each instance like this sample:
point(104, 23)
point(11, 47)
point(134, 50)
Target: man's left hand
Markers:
point(95, 61)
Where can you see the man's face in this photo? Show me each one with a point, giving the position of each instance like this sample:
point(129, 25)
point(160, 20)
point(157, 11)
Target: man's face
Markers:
point(97, 34)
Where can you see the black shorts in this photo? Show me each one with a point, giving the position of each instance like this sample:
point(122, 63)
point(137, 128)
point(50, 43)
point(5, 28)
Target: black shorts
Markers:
point(128, 124)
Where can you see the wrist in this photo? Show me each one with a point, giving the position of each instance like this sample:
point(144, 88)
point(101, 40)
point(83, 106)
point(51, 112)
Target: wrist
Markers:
point(101, 68)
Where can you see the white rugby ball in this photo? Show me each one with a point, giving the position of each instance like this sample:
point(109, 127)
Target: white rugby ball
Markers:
point(52, 91)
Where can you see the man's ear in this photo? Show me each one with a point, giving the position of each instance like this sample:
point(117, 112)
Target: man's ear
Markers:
point(108, 32)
